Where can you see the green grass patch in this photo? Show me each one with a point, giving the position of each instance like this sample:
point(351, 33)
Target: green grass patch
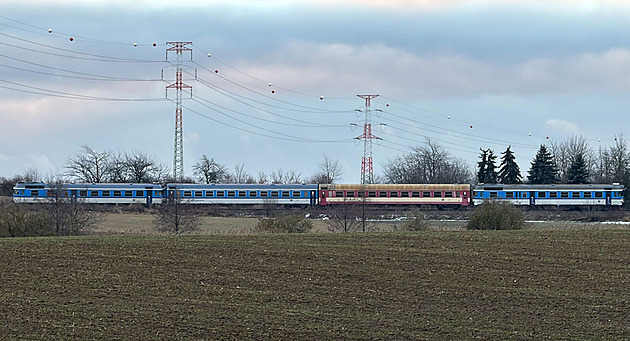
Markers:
point(415, 285)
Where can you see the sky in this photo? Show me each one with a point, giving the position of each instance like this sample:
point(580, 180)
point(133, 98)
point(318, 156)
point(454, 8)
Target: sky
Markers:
point(275, 83)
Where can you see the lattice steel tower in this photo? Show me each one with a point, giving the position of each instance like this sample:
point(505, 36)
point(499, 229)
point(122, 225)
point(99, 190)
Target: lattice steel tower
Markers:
point(367, 171)
point(178, 158)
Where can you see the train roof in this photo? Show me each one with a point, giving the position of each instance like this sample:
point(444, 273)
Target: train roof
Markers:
point(243, 186)
point(548, 187)
point(123, 186)
point(396, 187)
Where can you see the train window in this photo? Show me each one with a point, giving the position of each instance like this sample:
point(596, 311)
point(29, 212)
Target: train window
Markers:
point(372, 194)
point(437, 194)
point(187, 194)
point(587, 194)
point(415, 194)
point(198, 194)
point(564, 194)
point(339, 193)
point(404, 194)
point(426, 194)
point(242, 194)
point(509, 195)
point(393, 194)
point(283, 194)
point(295, 194)
point(382, 194)
point(448, 194)
point(599, 194)
point(524, 195)
point(350, 194)
point(274, 194)
point(34, 193)
point(575, 195)
point(209, 194)
point(83, 193)
point(106, 193)
point(493, 194)
point(231, 194)
point(360, 194)
point(118, 193)
point(139, 193)
point(264, 194)
point(542, 194)
point(128, 193)
point(220, 194)
point(94, 193)
point(553, 194)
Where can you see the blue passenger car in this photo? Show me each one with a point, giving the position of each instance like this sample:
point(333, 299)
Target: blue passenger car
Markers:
point(552, 195)
point(100, 193)
point(236, 194)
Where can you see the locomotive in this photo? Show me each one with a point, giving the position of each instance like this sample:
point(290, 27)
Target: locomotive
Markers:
point(439, 195)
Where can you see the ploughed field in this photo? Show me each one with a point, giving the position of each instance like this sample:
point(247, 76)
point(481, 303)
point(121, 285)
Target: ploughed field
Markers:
point(559, 284)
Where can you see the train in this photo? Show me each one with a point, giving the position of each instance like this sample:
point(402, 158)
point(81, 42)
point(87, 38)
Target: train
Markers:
point(437, 195)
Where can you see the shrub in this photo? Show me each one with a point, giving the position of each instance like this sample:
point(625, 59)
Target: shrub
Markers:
point(416, 222)
point(496, 215)
point(285, 224)
point(17, 221)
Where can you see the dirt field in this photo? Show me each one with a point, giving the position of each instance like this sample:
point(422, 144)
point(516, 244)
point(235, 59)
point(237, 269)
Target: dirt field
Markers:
point(142, 224)
point(430, 285)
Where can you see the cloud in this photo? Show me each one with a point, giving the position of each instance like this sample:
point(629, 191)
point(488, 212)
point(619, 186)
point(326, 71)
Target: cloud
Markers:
point(562, 126)
point(342, 68)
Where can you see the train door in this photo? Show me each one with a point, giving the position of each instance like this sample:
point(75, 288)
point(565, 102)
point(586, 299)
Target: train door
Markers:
point(149, 195)
point(532, 198)
point(608, 198)
point(313, 198)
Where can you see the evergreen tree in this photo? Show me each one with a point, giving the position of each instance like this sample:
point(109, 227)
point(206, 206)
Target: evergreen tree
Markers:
point(487, 169)
point(578, 171)
point(491, 168)
point(509, 171)
point(543, 168)
point(481, 165)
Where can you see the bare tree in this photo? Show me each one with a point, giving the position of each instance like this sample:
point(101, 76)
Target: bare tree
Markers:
point(240, 176)
point(68, 215)
point(176, 217)
point(350, 216)
point(430, 163)
point(88, 165)
point(565, 152)
point(117, 168)
point(343, 218)
point(32, 174)
point(330, 170)
point(209, 171)
point(279, 176)
point(262, 178)
point(143, 168)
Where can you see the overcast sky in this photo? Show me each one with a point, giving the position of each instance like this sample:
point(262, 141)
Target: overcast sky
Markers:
point(467, 74)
